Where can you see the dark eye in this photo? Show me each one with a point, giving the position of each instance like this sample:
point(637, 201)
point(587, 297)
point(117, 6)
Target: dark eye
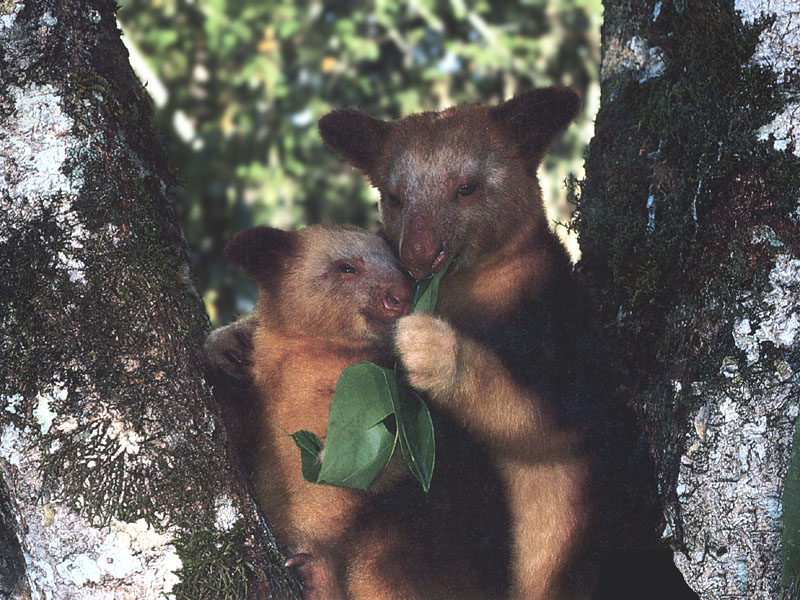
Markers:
point(466, 189)
point(394, 201)
point(347, 268)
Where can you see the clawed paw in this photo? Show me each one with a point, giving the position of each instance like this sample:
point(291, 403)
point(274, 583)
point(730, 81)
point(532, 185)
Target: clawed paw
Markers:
point(428, 349)
point(315, 576)
point(227, 351)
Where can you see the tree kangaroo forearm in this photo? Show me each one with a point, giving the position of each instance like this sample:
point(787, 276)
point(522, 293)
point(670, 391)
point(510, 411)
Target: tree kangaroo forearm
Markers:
point(488, 400)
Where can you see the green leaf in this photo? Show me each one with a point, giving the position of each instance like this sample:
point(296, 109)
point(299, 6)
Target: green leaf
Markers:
point(426, 294)
point(415, 430)
point(310, 447)
point(358, 445)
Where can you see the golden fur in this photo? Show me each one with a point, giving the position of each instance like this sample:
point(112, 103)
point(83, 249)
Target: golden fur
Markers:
point(307, 327)
point(312, 321)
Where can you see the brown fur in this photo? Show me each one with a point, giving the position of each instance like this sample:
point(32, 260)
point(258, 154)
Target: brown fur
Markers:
point(511, 273)
point(227, 352)
point(306, 328)
point(545, 472)
point(312, 321)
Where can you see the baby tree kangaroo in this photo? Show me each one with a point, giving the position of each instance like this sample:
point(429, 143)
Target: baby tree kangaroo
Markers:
point(328, 298)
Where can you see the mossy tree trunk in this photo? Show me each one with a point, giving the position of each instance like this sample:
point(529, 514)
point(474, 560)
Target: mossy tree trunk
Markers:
point(688, 222)
point(116, 478)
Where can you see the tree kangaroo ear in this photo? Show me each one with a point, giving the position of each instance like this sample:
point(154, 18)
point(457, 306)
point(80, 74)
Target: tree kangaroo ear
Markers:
point(381, 233)
point(261, 251)
point(355, 136)
point(536, 118)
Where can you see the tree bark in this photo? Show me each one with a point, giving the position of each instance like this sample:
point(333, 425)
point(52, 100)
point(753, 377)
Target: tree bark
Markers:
point(117, 479)
point(688, 222)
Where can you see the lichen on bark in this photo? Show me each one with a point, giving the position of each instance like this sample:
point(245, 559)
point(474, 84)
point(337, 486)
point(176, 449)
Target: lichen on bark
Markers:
point(686, 218)
point(109, 444)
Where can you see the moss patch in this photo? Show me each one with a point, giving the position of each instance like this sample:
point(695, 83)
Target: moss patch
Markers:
point(103, 305)
point(677, 182)
point(214, 568)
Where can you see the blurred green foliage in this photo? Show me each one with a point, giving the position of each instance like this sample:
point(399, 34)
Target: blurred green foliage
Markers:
point(239, 86)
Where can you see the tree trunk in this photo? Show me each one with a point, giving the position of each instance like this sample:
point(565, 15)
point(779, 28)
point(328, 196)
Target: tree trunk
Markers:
point(116, 474)
point(689, 230)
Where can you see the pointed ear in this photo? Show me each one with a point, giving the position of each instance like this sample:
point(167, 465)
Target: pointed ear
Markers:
point(535, 119)
point(261, 251)
point(355, 136)
point(384, 235)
